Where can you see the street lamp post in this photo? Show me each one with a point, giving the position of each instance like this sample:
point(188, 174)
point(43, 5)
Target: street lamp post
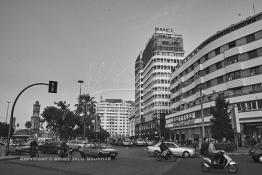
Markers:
point(202, 115)
point(7, 111)
point(80, 82)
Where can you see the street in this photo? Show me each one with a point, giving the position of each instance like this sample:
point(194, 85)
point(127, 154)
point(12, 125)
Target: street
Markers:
point(131, 160)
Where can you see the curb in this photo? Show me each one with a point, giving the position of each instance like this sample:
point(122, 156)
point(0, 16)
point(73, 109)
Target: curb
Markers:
point(9, 158)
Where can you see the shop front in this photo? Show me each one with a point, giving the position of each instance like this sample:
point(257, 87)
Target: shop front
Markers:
point(252, 133)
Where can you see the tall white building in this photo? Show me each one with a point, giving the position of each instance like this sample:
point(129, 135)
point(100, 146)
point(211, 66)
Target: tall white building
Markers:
point(115, 114)
point(228, 64)
point(153, 68)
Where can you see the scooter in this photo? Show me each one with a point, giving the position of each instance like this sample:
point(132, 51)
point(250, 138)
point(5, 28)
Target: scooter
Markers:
point(223, 162)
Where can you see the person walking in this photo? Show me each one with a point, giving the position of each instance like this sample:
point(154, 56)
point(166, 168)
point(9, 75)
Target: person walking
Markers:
point(204, 147)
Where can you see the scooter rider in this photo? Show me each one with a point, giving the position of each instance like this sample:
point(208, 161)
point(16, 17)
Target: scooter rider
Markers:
point(163, 147)
point(214, 154)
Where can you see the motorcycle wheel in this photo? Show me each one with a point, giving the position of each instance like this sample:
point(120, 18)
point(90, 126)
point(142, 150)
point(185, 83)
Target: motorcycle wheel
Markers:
point(204, 167)
point(232, 168)
point(173, 158)
point(158, 157)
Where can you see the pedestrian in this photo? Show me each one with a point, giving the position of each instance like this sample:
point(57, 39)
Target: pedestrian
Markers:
point(204, 147)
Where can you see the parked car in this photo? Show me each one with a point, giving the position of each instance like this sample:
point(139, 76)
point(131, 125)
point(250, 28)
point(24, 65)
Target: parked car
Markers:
point(49, 147)
point(256, 152)
point(76, 144)
point(127, 142)
point(174, 148)
point(140, 142)
point(21, 147)
point(97, 150)
point(150, 142)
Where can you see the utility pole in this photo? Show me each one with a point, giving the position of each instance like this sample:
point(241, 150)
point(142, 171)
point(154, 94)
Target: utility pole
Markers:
point(7, 111)
point(202, 115)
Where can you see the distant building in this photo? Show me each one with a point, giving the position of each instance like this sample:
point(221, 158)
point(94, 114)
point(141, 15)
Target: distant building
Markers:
point(153, 68)
point(132, 126)
point(35, 119)
point(115, 114)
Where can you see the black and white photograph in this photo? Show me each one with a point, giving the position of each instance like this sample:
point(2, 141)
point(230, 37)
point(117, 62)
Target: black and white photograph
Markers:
point(130, 87)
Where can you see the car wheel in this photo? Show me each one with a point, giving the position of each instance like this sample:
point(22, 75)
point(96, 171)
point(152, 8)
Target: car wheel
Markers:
point(260, 159)
point(156, 153)
point(76, 154)
point(186, 154)
point(100, 155)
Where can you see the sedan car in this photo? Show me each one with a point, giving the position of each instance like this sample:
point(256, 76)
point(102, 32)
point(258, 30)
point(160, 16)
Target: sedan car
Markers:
point(49, 147)
point(150, 142)
point(77, 144)
point(174, 148)
point(97, 150)
point(127, 142)
point(140, 142)
point(256, 152)
point(23, 147)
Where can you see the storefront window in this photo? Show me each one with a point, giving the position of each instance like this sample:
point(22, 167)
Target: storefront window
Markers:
point(259, 103)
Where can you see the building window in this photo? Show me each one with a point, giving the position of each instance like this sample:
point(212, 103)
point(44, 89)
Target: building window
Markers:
point(250, 38)
point(252, 54)
point(219, 65)
point(232, 44)
point(217, 51)
point(220, 79)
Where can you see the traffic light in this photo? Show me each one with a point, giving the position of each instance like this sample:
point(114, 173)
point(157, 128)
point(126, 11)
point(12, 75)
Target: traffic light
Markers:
point(52, 87)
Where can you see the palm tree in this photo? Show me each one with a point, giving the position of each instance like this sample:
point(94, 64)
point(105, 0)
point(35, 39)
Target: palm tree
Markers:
point(86, 109)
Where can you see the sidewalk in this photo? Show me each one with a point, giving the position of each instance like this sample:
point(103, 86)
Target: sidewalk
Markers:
point(239, 151)
point(9, 157)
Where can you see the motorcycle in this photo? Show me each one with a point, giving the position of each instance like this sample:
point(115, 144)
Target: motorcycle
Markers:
point(65, 153)
point(223, 162)
point(166, 155)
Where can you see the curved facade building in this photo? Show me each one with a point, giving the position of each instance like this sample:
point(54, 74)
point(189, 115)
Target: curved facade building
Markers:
point(227, 64)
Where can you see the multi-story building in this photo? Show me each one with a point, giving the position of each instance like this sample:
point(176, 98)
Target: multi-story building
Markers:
point(132, 125)
point(228, 64)
point(115, 114)
point(162, 53)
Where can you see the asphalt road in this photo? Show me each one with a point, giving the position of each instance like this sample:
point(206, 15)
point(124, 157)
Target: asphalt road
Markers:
point(133, 160)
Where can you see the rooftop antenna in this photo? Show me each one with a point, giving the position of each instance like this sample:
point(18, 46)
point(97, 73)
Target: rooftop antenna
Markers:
point(254, 8)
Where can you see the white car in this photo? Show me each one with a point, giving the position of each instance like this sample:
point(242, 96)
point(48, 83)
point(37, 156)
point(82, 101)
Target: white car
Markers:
point(174, 148)
point(140, 142)
point(127, 143)
point(76, 144)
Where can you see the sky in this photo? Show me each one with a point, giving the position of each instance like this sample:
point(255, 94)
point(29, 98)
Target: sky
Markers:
point(96, 41)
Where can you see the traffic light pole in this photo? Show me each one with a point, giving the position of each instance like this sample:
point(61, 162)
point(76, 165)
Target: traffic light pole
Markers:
point(12, 113)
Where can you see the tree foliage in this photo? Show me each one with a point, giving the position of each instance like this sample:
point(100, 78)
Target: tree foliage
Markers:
point(28, 124)
point(221, 123)
point(4, 127)
point(60, 120)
